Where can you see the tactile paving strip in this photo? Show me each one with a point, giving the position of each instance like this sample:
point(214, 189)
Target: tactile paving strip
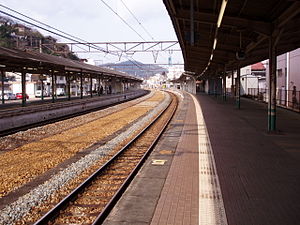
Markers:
point(211, 206)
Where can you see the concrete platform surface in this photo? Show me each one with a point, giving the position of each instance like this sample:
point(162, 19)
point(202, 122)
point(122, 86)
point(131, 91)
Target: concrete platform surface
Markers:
point(222, 167)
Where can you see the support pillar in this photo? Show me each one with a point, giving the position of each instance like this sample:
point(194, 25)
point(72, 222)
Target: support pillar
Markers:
point(42, 87)
point(53, 86)
point(55, 90)
point(91, 86)
point(232, 84)
point(224, 85)
point(99, 85)
point(122, 86)
point(215, 87)
point(81, 86)
point(272, 86)
point(68, 86)
point(23, 81)
point(2, 85)
point(238, 87)
point(287, 78)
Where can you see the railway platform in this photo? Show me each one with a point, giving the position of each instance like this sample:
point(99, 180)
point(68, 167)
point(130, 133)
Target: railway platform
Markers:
point(216, 164)
point(12, 118)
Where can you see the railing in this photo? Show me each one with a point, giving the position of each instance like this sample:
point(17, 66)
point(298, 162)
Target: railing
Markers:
point(285, 98)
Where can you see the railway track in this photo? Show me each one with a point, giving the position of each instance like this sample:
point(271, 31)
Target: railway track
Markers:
point(92, 200)
point(51, 106)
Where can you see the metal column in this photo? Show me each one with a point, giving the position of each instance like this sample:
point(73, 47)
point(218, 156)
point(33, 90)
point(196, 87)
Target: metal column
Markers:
point(55, 90)
point(53, 86)
point(68, 85)
point(42, 87)
point(23, 80)
point(192, 31)
point(238, 87)
point(232, 84)
point(81, 87)
point(224, 85)
point(99, 85)
point(91, 85)
point(2, 87)
point(272, 86)
point(215, 87)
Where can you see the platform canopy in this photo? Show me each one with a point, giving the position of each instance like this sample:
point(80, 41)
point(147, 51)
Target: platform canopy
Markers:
point(215, 34)
point(34, 62)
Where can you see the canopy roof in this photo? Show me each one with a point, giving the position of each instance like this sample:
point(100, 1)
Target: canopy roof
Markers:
point(246, 27)
point(34, 62)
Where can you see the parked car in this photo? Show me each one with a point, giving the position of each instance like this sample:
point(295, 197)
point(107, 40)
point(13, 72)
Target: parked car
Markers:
point(19, 96)
point(8, 96)
point(11, 96)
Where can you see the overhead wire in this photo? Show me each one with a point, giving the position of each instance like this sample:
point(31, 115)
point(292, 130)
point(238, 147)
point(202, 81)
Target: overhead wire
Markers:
point(111, 9)
point(44, 24)
point(137, 20)
point(10, 9)
point(71, 37)
point(63, 36)
point(124, 21)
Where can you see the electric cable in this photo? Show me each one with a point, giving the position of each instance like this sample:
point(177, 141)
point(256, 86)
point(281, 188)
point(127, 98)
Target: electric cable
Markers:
point(137, 20)
point(122, 19)
point(63, 36)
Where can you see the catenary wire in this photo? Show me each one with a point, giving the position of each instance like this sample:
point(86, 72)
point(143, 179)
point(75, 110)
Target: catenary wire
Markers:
point(124, 21)
point(63, 36)
point(137, 20)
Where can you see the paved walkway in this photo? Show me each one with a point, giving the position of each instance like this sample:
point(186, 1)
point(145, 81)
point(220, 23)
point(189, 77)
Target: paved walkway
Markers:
point(178, 203)
point(258, 173)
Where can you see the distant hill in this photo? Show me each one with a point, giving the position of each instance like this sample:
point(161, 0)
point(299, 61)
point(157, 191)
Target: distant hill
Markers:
point(137, 69)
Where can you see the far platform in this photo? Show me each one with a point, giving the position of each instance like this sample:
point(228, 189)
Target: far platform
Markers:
point(253, 174)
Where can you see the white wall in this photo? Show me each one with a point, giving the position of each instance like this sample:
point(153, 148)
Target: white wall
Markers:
point(17, 88)
point(248, 81)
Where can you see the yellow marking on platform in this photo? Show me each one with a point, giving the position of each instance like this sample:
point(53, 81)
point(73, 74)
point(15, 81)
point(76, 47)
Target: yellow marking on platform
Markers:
point(211, 205)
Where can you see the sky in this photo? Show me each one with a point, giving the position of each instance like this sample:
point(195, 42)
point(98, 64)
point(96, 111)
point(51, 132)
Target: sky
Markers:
point(94, 22)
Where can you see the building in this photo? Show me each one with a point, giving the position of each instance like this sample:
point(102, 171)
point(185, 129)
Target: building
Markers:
point(288, 79)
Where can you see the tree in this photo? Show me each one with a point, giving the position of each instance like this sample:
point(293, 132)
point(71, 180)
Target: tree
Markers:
point(6, 35)
point(72, 56)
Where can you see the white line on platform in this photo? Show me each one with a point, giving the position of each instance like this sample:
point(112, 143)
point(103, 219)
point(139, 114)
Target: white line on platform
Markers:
point(211, 206)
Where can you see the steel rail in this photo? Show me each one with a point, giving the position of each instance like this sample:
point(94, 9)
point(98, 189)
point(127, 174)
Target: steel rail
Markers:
point(105, 212)
point(55, 211)
point(61, 118)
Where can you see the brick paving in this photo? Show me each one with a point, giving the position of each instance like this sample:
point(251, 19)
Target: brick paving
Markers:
point(179, 201)
point(259, 173)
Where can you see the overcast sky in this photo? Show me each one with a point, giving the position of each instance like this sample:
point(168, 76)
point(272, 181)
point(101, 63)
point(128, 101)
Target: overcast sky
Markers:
point(92, 21)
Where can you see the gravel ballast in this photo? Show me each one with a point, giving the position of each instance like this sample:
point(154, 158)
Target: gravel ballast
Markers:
point(19, 208)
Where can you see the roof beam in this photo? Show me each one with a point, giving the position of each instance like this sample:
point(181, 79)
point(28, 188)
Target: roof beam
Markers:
point(289, 14)
point(172, 11)
point(207, 51)
point(231, 21)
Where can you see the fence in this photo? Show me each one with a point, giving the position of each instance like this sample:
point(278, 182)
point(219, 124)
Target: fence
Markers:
point(285, 98)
